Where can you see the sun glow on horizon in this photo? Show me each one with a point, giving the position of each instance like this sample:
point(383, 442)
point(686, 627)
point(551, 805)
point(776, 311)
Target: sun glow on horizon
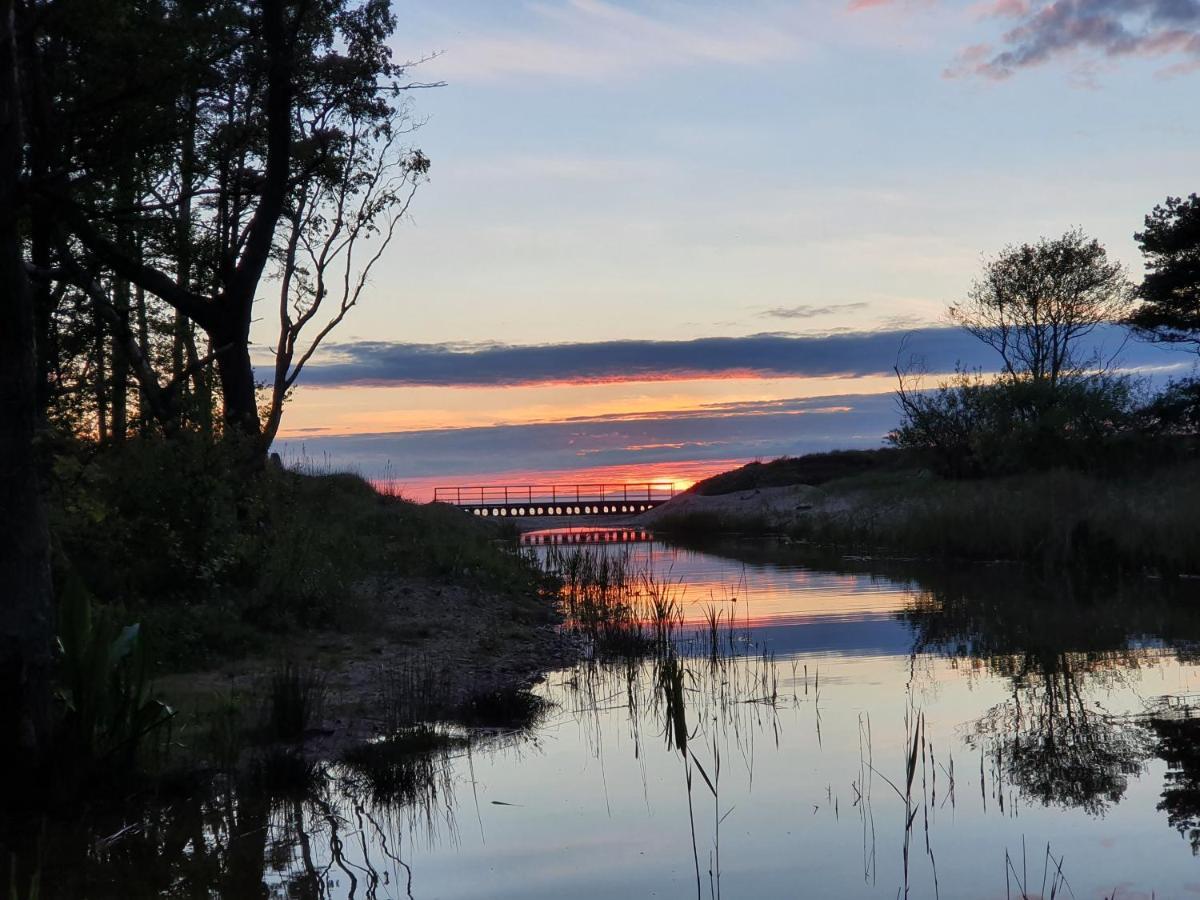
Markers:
point(681, 475)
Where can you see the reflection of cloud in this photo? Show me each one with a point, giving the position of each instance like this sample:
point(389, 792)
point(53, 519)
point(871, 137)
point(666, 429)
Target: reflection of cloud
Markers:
point(1063, 28)
point(775, 355)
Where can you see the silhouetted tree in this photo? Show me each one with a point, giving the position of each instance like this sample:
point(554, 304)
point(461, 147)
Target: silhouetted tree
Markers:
point(25, 597)
point(1036, 303)
point(1170, 292)
point(1055, 403)
point(171, 181)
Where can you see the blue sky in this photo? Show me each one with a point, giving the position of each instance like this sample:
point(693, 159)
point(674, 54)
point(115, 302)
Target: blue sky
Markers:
point(668, 171)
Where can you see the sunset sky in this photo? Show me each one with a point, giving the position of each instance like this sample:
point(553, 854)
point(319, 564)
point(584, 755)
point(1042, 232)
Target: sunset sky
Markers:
point(664, 236)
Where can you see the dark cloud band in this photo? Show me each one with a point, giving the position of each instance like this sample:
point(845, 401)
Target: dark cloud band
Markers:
point(760, 355)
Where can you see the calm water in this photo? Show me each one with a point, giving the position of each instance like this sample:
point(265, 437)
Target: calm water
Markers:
point(1043, 714)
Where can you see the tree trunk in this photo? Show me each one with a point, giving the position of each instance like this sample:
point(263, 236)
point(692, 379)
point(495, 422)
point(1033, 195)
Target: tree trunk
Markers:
point(120, 367)
point(100, 380)
point(25, 599)
point(237, 385)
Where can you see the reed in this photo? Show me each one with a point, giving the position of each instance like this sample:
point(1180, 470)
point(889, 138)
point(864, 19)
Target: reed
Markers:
point(619, 609)
point(294, 699)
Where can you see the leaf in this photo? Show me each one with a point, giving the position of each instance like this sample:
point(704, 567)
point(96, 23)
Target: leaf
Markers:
point(124, 644)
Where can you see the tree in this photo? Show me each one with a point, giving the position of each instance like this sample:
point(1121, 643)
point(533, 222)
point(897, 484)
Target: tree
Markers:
point(360, 200)
point(1170, 311)
point(1036, 303)
point(273, 112)
point(1055, 402)
point(25, 607)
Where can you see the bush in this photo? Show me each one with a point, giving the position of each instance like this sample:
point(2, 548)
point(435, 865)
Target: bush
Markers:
point(971, 426)
point(151, 518)
point(211, 557)
point(1175, 410)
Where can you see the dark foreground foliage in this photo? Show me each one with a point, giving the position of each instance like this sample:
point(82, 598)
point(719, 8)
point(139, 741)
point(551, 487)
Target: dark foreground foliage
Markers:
point(210, 562)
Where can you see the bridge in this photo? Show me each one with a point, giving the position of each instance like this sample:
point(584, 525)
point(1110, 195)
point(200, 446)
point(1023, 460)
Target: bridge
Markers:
point(557, 500)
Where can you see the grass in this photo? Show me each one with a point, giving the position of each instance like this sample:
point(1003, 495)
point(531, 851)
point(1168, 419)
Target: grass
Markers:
point(216, 565)
point(293, 701)
point(1052, 520)
point(410, 768)
point(619, 610)
point(812, 468)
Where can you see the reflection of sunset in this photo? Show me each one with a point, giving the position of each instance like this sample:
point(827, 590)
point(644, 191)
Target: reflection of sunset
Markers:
point(757, 596)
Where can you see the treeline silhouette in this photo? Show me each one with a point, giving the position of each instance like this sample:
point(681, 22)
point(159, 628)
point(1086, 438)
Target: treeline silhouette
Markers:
point(172, 172)
point(1061, 399)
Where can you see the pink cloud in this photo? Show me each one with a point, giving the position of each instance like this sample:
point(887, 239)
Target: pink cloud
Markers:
point(1067, 29)
point(1003, 9)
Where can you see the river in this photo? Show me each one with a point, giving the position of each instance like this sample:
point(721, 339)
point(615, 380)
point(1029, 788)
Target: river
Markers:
point(869, 728)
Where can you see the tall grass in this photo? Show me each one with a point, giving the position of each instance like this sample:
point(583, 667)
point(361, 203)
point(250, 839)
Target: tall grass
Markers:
point(294, 699)
point(1054, 520)
point(620, 610)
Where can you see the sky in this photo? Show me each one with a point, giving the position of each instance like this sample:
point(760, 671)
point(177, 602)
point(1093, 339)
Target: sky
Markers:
point(663, 237)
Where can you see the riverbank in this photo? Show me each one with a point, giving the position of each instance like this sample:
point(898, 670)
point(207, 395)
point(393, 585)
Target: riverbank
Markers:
point(313, 590)
point(1133, 522)
point(463, 649)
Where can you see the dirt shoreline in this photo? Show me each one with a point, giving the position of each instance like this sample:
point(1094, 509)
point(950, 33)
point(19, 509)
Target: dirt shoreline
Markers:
point(479, 642)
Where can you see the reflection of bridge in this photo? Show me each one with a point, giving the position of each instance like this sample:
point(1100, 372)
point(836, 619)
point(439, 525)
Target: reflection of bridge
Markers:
point(590, 536)
point(557, 500)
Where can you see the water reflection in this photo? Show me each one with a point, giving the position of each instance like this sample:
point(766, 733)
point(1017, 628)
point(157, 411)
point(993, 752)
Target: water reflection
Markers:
point(1052, 739)
point(875, 728)
point(1176, 730)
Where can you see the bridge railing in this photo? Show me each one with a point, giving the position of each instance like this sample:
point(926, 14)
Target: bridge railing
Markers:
point(500, 495)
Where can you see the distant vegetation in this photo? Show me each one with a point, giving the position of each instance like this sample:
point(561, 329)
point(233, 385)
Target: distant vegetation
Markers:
point(1059, 460)
point(812, 468)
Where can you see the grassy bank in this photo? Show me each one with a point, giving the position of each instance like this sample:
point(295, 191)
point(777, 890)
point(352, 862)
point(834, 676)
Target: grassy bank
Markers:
point(1129, 521)
point(280, 612)
point(215, 563)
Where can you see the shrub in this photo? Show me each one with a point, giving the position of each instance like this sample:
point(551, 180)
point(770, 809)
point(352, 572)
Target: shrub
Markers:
point(971, 426)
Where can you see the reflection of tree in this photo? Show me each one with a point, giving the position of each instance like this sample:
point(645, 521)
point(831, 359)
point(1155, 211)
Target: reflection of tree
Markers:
point(1177, 730)
point(1055, 643)
point(1055, 640)
point(260, 835)
point(1054, 746)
